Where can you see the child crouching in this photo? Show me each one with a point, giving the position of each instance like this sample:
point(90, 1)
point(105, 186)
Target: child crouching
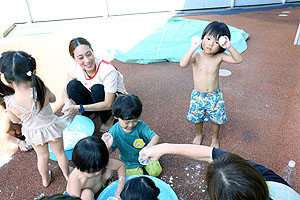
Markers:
point(130, 135)
point(92, 169)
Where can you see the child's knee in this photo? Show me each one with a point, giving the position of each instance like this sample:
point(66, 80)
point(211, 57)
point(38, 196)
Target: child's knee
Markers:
point(87, 194)
point(59, 153)
point(135, 171)
point(154, 169)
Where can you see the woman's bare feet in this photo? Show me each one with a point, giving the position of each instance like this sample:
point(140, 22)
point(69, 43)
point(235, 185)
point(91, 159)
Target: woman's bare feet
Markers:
point(107, 125)
point(198, 140)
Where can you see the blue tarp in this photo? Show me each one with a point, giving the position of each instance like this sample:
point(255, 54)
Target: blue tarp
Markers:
point(170, 42)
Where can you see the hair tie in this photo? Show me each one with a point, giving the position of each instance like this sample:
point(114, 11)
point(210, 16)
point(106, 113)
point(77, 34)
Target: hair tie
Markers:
point(29, 73)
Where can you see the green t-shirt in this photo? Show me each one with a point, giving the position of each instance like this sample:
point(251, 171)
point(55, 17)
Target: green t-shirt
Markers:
point(130, 144)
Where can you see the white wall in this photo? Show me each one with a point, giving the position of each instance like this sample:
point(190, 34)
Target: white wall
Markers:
point(255, 2)
point(121, 7)
point(16, 11)
point(13, 11)
point(45, 10)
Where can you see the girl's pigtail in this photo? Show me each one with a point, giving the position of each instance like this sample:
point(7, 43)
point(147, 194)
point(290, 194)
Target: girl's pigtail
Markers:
point(37, 83)
point(40, 87)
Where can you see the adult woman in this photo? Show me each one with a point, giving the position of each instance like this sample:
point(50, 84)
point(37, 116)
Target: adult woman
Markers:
point(92, 84)
point(229, 176)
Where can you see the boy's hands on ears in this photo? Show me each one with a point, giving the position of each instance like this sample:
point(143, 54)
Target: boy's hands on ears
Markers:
point(226, 44)
point(108, 139)
point(196, 42)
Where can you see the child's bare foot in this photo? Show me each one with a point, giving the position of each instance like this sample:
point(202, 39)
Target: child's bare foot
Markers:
point(47, 183)
point(67, 177)
point(70, 171)
point(198, 140)
point(108, 124)
point(215, 143)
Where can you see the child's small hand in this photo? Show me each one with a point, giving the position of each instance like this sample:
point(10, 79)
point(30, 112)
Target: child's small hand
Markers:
point(117, 196)
point(149, 153)
point(108, 139)
point(225, 44)
point(22, 145)
point(67, 106)
point(196, 41)
point(69, 110)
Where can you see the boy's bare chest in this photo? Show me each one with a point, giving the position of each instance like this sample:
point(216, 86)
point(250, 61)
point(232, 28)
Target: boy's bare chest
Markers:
point(205, 68)
point(206, 65)
point(93, 183)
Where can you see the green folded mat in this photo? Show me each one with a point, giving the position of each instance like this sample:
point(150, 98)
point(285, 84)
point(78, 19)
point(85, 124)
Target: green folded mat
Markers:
point(170, 42)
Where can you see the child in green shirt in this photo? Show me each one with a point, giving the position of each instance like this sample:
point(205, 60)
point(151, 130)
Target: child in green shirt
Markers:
point(130, 136)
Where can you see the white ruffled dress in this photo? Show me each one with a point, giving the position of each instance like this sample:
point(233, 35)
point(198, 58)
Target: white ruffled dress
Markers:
point(38, 127)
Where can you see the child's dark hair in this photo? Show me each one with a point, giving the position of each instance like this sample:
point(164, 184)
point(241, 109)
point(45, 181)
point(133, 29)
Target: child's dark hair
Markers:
point(216, 29)
point(90, 154)
point(76, 42)
point(232, 177)
point(140, 188)
point(19, 67)
point(60, 197)
point(4, 91)
point(127, 107)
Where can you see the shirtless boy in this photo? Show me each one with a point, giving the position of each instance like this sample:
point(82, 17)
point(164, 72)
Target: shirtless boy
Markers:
point(206, 97)
point(93, 168)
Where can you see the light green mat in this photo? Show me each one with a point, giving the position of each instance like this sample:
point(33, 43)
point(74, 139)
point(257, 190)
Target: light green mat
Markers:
point(170, 42)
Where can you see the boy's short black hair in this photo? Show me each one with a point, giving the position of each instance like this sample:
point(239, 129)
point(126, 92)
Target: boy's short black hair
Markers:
point(90, 154)
point(127, 107)
point(140, 188)
point(216, 29)
point(59, 197)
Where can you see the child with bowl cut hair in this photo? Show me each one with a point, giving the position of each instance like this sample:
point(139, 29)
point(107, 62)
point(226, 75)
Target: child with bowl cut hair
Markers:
point(140, 188)
point(206, 97)
point(93, 168)
point(130, 135)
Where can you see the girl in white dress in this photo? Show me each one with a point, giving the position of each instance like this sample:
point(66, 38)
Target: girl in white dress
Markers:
point(29, 104)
